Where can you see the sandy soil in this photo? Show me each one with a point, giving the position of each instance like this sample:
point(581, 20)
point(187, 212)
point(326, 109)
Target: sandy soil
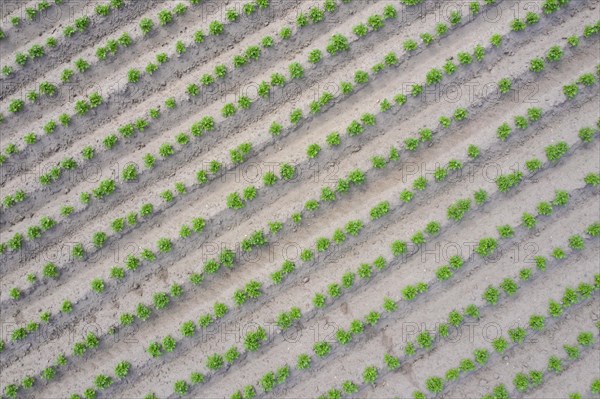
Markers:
point(226, 228)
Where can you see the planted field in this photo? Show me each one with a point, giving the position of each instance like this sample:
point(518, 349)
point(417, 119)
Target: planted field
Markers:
point(314, 199)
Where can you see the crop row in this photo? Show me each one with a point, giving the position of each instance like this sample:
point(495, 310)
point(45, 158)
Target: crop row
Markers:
point(82, 24)
point(425, 340)
point(162, 297)
point(517, 335)
point(284, 320)
point(534, 114)
point(529, 382)
point(296, 71)
point(202, 176)
point(399, 248)
point(134, 75)
point(140, 125)
point(258, 238)
point(188, 230)
point(130, 172)
point(108, 187)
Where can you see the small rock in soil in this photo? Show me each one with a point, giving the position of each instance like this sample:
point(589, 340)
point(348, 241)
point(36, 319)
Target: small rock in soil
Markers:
point(305, 280)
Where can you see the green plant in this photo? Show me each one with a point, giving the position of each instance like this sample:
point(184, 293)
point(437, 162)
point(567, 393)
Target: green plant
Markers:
point(441, 29)
point(500, 345)
point(521, 382)
point(303, 362)
point(433, 77)
point(505, 231)
point(509, 286)
point(491, 295)
point(592, 179)
point(97, 285)
point(465, 58)
point(231, 355)
point(434, 384)
point(337, 43)
point(103, 381)
point(457, 210)
point(296, 70)
point(570, 91)
point(472, 311)
point(122, 369)
point(587, 79)
point(585, 338)
point(593, 229)
point(536, 65)
point(555, 364)
point(517, 335)
point(481, 356)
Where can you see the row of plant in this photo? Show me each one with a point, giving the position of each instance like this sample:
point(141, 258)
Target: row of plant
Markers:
point(125, 40)
point(139, 125)
point(278, 79)
point(237, 156)
point(98, 285)
point(425, 340)
point(100, 234)
point(509, 286)
point(594, 386)
point(537, 322)
point(129, 173)
point(82, 107)
point(534, 379)
point(134, 75)
point(80, 24)
point(328, 194)
point(50, 270)
point(365, 271)
point(101, 381)
point(354, 128)
point(252, 340)
point(162, 300)
point(286, 319)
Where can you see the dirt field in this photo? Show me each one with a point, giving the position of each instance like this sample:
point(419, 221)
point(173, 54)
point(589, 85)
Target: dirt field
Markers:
point(300, 199)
